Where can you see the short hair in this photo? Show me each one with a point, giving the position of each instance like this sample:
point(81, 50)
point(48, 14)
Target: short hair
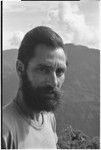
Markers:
point(39, 35)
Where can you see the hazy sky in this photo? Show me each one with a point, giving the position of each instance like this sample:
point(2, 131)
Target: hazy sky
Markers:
point(77, 22)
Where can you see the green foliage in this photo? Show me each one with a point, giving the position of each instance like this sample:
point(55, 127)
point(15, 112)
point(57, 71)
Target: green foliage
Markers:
point(76, 139)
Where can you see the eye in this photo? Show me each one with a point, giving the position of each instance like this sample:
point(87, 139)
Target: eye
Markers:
point(60, 72)
point(44, 70)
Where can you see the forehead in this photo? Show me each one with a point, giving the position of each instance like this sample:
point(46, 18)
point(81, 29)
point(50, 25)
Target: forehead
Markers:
point(48, 55)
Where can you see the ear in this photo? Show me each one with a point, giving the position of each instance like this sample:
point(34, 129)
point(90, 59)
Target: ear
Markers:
point(19, 67)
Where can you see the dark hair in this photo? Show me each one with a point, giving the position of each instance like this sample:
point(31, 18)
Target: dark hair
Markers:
point(36, 36)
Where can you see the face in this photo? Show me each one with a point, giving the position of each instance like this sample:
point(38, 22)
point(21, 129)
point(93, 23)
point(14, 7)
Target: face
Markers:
point(44, 78)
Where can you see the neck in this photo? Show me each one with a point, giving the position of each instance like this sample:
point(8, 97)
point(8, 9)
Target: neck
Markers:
point(27, 111)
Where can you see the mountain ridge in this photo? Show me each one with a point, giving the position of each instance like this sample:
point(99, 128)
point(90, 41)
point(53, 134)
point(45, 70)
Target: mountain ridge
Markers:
point(82, 89)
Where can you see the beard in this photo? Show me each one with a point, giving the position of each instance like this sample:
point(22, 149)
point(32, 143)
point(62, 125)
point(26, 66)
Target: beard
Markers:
point(41, 98)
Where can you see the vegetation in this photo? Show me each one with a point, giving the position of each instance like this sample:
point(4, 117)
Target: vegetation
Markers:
point(76, 139)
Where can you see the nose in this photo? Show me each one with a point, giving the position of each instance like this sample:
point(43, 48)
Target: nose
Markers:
point(53, 80)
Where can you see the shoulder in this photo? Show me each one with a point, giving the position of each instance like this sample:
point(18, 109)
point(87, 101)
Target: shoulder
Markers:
point(11, 112)
point(7, 138)
point(9, 126)
point(9, 122)
point(8, 118)
point(8, 114)
point(8, 108)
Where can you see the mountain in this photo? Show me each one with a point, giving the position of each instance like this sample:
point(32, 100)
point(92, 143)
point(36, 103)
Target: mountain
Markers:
point(81, 102)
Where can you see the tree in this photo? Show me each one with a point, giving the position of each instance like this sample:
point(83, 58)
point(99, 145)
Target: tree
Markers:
point(76, 139)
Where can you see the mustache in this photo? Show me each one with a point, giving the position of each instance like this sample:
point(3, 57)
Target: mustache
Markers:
point(50, 90)
point(41, 97)
point(45, 89)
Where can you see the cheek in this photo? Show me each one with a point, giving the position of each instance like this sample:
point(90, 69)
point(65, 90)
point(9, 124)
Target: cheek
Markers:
point(61, 81)
point(36, 79)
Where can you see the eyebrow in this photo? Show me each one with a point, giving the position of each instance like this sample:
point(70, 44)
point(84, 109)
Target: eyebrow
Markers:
point(44, 66)
point(50, 67)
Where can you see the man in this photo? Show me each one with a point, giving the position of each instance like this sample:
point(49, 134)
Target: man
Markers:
point(28, 121)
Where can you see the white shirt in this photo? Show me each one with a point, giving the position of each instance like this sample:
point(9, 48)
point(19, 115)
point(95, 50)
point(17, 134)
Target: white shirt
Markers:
point(21, 133)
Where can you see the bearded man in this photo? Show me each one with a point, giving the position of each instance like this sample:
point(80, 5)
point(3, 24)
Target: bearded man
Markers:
point(28, 120)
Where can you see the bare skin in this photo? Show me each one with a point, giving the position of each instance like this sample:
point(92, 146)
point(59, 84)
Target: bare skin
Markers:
point(48, 66)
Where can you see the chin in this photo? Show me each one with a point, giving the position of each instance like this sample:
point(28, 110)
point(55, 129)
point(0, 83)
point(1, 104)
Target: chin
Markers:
point(48, 105)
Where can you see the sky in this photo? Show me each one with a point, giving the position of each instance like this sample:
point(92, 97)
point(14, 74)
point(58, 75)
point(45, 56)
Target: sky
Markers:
point(75, 21)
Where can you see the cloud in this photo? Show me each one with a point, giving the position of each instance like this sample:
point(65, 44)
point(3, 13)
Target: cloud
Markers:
point(71, 23)
point(68, 19)
point(27, 7)
point(12, 6)
point(16, 39)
